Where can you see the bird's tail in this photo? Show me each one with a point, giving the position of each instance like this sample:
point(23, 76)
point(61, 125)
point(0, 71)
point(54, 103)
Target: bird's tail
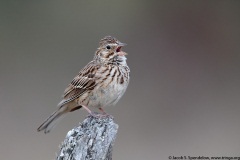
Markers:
point(51, 121)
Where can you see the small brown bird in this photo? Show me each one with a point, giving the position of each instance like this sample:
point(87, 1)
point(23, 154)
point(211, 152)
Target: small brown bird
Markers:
point(101, 83)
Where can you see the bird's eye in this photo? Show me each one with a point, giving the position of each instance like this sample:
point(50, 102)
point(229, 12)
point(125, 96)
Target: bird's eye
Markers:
point(108, 47)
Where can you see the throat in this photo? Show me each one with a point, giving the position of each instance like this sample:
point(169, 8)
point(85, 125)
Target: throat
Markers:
point(120, 60)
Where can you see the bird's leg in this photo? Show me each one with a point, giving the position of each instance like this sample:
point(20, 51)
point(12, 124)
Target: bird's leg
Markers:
point(94, 114)
point(87, 109)
point(104, 113)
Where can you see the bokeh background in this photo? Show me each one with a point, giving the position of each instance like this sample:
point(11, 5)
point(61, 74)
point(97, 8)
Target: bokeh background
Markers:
point(184, 94)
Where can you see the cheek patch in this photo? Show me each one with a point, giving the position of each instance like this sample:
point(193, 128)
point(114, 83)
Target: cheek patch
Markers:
point(109, 54)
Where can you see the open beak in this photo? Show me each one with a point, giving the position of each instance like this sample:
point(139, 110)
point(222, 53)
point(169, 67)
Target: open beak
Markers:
point(120, 45)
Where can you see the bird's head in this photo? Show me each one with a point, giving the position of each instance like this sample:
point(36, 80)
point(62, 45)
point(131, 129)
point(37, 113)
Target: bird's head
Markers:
point(110, 50)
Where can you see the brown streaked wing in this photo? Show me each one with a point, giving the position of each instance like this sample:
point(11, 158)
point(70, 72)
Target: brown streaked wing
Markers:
point(80, 84)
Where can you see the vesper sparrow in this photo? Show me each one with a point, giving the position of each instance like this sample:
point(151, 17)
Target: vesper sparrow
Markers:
point(101, 83)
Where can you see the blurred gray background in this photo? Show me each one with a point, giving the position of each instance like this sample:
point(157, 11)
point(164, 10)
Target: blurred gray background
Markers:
point(184, 94)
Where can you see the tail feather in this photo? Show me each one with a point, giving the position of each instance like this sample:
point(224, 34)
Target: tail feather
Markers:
point(51, 121)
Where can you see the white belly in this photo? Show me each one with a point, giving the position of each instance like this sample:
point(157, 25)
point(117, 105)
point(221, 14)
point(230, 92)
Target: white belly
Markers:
point(104, 97)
